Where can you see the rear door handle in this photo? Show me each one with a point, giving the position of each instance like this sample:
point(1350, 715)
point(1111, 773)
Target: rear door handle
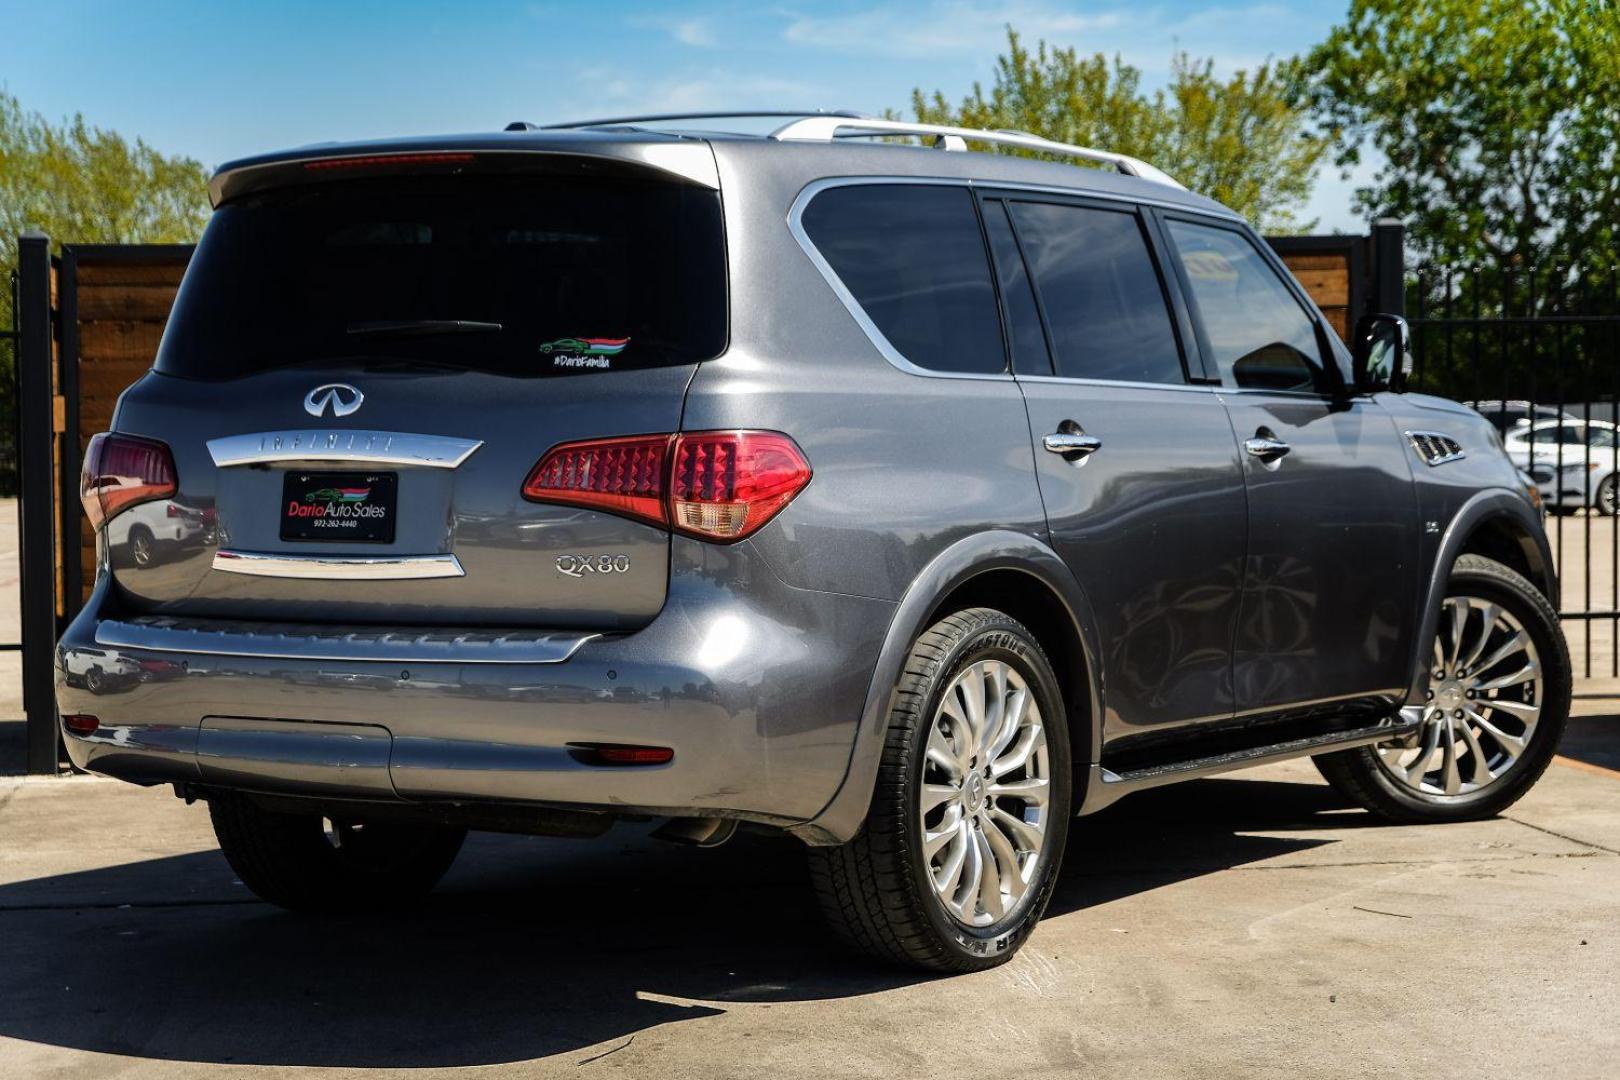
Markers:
point(1266, 447)
point(1071, 445)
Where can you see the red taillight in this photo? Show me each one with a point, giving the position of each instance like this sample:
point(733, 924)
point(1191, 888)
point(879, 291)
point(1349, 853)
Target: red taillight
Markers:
point(121, 471)
point(622, 476)
point(719, 485)
point(726, 484)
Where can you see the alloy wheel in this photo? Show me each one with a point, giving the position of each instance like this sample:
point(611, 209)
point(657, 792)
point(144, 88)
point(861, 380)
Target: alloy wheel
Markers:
point(1484, 700)
point(984, 793)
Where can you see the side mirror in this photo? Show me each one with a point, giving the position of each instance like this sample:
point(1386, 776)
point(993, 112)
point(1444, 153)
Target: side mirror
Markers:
point(1383, 353)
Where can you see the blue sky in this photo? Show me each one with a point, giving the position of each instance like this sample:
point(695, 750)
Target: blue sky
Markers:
point(219, 80)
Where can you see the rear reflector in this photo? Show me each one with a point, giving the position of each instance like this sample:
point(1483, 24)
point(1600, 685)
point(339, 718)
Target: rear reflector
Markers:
point(614, 754)
point(80, 723)
point(121, 471)
point(718, 485)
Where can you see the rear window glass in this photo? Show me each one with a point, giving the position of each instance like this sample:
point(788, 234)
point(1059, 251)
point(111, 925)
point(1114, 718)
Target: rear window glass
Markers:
point(914, 259)
point(515, 275)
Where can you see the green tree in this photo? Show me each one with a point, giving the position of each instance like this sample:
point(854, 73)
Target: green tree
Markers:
point(81, 184)
point(1497, 121)
point(1239, 139)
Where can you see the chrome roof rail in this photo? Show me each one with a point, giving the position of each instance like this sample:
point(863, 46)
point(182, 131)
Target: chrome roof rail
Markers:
point(829, 126)
point(659, 118)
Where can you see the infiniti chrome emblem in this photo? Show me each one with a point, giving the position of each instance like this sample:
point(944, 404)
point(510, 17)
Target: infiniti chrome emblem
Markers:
point(343, 398)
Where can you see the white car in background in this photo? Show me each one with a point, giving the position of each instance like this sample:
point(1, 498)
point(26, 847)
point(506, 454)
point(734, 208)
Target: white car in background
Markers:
point(1574, 463)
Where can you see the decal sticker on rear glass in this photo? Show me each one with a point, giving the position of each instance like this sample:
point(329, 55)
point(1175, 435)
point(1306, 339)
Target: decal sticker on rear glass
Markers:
point(583, 352)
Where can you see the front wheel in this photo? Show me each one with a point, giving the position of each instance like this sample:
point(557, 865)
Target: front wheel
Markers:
point(304, 862)
point(1497, 704)
point(961, 846)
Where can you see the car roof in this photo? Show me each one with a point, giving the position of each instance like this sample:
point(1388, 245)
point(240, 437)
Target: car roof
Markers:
point(695, 155)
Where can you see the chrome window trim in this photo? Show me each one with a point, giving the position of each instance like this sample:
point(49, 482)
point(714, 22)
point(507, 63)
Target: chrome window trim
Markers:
point(344, 445)
point(338, 567)
point(285, 641)
point(895, 358)
point(1127, 384)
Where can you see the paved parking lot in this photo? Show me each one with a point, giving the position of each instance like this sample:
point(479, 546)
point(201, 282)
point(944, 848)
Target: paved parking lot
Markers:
point(1249, 926)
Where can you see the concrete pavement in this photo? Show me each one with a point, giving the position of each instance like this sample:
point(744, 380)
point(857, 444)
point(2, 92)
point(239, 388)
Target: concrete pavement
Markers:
point(1250, 926)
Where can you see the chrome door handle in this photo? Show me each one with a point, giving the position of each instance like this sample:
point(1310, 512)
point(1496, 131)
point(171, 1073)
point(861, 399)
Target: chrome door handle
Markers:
point(1071, 445)
point(1267, 448)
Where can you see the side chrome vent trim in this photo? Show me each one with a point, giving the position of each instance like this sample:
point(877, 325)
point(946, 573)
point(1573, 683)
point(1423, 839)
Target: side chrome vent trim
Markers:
point(1435, 447)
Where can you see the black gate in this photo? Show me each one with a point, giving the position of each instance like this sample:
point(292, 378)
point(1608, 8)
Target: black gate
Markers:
point(1542, 343)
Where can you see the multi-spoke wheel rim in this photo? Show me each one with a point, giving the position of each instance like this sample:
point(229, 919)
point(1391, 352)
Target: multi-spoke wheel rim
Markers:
point(986, 782)
point(1608, 496)
point(1483, 703)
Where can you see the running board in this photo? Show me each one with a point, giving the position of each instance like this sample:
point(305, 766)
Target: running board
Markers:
point(1107, 787)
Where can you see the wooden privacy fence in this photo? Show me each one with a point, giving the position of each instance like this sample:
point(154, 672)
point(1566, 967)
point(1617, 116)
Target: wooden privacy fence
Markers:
point(89, 322)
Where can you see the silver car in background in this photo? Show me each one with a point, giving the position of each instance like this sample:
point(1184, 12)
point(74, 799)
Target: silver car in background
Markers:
point(1574, 463)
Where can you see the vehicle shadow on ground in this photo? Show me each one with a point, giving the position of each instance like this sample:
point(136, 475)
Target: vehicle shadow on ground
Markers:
point(531, 948)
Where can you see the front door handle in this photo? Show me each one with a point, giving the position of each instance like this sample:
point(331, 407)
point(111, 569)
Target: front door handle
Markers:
point(1071, 444)
point(1266, 447)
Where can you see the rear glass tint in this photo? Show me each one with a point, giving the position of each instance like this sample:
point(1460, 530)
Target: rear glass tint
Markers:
point(913, 257)
point(515, 275)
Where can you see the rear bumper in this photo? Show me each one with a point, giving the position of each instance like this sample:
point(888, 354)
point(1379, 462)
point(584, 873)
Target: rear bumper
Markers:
point(757, 687)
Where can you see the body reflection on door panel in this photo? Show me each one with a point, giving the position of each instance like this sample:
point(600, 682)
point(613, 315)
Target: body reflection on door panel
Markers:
point(1153, 526)
point(1332, 568)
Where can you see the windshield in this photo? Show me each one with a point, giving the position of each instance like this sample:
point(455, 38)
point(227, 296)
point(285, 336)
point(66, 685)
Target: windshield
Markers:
point(515, 275)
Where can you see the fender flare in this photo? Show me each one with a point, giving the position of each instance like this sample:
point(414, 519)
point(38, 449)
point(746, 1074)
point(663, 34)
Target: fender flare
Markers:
point(1001, 549)
point(1482, 507)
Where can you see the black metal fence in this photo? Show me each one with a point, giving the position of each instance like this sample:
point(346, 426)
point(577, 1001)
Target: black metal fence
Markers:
point(8, 391)
point(1543, 343)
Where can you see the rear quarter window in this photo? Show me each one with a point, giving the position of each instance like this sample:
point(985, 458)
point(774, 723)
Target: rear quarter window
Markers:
point(913, 257)
point(520, 275)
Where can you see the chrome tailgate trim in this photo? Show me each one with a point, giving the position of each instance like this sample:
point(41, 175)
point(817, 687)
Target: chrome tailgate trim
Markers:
point(339, 567)
point(361, 447)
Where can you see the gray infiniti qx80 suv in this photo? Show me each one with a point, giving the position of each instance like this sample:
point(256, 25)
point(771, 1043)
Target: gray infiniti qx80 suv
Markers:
point(909, 500)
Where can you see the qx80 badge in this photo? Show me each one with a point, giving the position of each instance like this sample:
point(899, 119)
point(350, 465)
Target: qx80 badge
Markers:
point(587, 565)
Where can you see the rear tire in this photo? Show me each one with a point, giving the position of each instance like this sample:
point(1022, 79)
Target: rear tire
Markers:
point(304, 862)
point(1478, 763)
point(952, 795)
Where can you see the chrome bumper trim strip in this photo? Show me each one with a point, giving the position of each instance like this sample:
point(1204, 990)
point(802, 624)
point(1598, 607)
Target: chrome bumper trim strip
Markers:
point(339, 567)
point(283, 641)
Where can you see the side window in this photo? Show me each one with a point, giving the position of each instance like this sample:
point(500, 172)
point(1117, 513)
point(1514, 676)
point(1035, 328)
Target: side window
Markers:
point(1259, 334)
point(913, 257)
point(1105, 306)
point(1029, 353)
point(1555, 434)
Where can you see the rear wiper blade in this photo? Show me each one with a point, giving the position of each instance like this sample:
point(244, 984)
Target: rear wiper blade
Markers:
point(421, 327)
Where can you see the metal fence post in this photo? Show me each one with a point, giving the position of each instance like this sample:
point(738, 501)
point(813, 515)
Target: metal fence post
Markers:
point(1389, 266)
point(37, 510)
